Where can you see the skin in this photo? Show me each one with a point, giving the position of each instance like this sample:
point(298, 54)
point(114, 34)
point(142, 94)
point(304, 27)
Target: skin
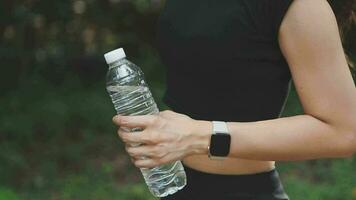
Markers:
point(310, 42)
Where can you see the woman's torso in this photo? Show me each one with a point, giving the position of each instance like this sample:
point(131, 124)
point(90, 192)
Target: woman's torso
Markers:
point(223, 63)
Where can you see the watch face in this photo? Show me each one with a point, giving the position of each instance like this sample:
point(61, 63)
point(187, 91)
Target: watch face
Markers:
point(220, 144)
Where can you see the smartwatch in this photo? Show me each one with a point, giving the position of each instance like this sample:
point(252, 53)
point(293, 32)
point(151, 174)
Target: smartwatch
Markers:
point(220, 141)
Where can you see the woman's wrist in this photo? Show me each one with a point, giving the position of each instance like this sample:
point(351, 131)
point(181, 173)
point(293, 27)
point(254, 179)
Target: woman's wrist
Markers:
point(200, 137)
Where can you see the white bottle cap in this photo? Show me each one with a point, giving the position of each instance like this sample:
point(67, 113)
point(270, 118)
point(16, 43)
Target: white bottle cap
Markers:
point(115, 55)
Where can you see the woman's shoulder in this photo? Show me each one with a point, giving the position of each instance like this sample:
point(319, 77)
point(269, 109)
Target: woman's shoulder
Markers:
point(311, 15)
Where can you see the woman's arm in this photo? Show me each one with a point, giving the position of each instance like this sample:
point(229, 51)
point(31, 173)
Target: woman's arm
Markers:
point(310, 41)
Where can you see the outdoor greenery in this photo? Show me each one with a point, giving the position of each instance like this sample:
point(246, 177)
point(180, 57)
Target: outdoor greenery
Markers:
point(57, 141)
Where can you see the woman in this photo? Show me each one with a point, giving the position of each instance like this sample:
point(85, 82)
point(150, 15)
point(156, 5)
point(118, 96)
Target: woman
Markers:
point(232, 61)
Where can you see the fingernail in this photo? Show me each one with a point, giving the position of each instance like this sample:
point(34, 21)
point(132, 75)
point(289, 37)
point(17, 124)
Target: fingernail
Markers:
point(115, 118)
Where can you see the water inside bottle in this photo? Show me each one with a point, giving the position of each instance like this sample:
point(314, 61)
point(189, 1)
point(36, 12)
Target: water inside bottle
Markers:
point(137, 100)
point(132, 100)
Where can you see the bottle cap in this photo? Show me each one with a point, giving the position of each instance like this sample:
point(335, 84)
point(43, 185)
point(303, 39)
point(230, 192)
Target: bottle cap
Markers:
point(115, 55)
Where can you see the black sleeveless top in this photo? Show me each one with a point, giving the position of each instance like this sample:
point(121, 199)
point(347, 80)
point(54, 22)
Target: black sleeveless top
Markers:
point(223, 58)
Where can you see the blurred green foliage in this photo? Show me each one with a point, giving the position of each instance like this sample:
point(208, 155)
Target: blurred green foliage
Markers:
point(56, 136)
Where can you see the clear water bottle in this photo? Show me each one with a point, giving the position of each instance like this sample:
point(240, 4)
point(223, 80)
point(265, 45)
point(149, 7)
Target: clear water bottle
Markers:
point(131, 96)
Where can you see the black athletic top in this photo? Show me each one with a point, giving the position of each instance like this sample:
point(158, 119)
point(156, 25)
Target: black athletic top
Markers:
point(223, 58)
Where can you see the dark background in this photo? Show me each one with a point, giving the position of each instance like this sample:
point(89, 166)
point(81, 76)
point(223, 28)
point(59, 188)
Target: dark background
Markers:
point(56, 136)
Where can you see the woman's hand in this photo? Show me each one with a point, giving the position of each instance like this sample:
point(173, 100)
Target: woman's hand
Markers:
point(164, 138)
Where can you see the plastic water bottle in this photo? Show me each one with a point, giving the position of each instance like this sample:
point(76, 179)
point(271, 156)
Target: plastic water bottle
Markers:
point(131, 96)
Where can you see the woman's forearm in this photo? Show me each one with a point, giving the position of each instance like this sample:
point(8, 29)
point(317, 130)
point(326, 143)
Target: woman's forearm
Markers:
point(171, 136)
point(291, 138)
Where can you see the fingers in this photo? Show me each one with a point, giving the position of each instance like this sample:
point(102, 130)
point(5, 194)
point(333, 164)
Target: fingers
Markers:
point(146, 156)
point(146, 151)
point(141, 121)
point(150, 163)
point(137, 137)
point(146, 163)
point(130, 137)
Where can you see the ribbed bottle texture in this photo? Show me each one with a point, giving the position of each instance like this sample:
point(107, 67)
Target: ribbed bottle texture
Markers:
point(131, 96)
